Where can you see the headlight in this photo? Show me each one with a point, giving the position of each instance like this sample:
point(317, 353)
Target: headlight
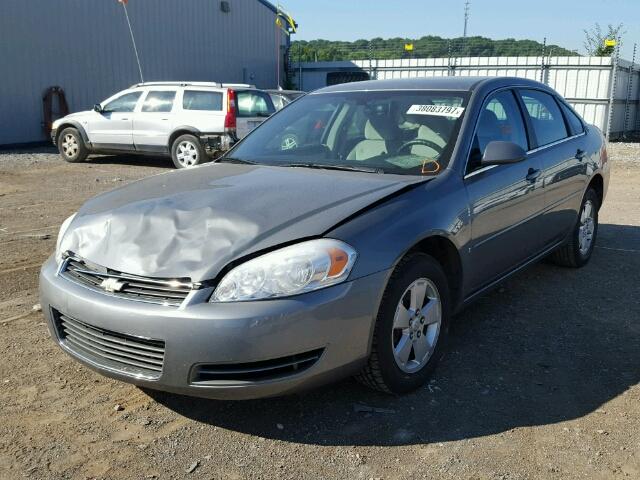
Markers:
point(289, 271)
point(63, 230)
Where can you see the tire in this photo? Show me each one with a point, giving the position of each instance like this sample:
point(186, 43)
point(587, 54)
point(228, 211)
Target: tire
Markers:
point(187, 152)
point(384, 371)
point(575, 253)
point(71, 146)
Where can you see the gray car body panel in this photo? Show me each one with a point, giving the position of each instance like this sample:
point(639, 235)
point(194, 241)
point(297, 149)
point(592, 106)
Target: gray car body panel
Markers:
point(192, 223)
point(197, 223)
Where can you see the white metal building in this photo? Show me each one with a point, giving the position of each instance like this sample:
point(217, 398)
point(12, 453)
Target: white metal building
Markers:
point(586, 82)
point(84, 46)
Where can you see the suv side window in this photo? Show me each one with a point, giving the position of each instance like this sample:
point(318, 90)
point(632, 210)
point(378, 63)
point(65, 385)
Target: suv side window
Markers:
point(159, 101)
point(575, 124)
point(201, 100)
point(546, 118)
point(124, 103)
point(500, 120)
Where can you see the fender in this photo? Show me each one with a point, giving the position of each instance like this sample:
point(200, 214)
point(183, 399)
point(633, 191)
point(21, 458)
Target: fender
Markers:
point(75, 124)
point(179, 130)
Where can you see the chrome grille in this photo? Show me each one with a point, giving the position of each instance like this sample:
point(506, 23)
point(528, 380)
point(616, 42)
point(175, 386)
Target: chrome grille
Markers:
point(163, 291)
point(118, 351)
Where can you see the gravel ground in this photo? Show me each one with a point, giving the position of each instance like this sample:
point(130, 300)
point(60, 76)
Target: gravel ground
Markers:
point(541, 381)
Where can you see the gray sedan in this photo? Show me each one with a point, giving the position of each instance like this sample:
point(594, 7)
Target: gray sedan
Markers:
point(280, 267)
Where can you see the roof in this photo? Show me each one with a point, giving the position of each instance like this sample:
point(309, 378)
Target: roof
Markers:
point(431, 83)
point(269, 5)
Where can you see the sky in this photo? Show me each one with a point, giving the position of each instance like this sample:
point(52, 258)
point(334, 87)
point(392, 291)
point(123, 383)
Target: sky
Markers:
point(561, 21)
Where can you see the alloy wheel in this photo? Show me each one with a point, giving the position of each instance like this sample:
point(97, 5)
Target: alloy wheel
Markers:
point(587, 227)
point(70, 146)
point(416, 325)
point(187, 154)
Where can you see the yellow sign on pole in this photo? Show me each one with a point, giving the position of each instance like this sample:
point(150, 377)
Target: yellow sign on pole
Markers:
point(408, 47)
point(610, 42)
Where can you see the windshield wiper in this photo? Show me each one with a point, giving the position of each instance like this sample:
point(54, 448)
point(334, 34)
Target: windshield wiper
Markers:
point(322, 166)
point(234, 160)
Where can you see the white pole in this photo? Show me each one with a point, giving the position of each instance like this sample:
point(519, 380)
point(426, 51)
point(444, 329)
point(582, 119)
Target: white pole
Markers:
point(133, 40)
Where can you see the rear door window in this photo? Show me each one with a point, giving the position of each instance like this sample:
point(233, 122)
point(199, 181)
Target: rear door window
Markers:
point(201, 100)
point(546, 118)
point(159, 101)
point(254, 104)
point(575, 124)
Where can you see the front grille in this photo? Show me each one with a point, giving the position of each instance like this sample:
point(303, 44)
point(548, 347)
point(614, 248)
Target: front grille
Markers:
point(125, 353)
point(255, 371)
point(163, 291)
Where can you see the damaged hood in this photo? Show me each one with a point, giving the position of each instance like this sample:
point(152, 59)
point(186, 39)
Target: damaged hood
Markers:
point(193, 222)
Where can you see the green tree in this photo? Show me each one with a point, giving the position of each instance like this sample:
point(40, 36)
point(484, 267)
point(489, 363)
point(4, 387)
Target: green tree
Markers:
point(595, 37)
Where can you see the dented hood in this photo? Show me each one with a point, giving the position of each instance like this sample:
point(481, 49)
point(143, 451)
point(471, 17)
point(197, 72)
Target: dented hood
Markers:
point(193, 222)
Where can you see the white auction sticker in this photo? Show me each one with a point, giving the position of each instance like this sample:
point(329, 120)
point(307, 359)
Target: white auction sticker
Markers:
point(437, 110)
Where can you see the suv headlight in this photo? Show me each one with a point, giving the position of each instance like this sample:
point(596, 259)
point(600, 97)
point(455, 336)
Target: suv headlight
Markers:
point(63, 230)
point(289, 271)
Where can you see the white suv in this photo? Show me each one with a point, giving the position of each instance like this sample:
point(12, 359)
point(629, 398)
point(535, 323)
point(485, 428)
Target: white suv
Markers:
point(188, 120)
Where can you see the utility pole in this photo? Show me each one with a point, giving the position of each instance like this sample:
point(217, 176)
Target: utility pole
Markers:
point(467, 11)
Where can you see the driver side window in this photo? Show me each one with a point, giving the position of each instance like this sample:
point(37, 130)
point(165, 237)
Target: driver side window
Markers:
point(500, 119)
point(124, 103)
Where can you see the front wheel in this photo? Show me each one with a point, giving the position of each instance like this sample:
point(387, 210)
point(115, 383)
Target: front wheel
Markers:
point(186, 152)
point(71, 146)
point(579, 248)
point(411, 328)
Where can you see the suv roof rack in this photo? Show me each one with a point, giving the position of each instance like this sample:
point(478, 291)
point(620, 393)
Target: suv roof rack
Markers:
point(177, 84)
point(238, 85)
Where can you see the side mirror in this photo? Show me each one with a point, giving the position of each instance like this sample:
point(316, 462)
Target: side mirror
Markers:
point(97, 108)
point(499, 153)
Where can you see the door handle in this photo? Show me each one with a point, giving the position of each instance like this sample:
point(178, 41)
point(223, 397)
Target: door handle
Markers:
point(580, 154)
point(533, 174)
point(124, 119)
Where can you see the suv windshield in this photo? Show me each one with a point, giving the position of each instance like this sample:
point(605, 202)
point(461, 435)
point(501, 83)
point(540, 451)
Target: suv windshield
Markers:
point(400, 132)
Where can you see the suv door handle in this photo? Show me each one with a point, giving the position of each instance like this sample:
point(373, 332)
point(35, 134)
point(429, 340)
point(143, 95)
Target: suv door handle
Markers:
point(532, 174)
point(580, 154)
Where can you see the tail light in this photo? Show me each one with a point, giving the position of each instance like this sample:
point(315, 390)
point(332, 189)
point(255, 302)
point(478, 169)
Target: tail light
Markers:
point(230, 118)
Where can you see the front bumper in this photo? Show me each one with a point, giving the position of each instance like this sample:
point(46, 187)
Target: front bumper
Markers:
point(337, 321)
point(54, 136)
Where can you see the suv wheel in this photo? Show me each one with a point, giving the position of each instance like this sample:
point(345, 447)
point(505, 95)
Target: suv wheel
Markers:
point(411, 328)
point(578, 250)
point(187, 151)
point(71, 146)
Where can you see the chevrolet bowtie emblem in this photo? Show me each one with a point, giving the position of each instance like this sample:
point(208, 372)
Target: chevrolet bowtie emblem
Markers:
point(112, 284)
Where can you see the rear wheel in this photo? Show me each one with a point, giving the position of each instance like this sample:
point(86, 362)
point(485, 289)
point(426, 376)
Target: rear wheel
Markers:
point(71, 146)
point(187, 152)
point(411, 328)
point(579, 248)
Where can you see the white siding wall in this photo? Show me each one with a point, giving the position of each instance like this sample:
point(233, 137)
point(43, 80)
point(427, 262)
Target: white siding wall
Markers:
point(84, 46)
point(583, 81)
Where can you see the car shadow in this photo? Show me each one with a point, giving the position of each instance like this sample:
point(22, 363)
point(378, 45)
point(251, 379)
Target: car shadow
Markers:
point(132, 160)
point(552, 344)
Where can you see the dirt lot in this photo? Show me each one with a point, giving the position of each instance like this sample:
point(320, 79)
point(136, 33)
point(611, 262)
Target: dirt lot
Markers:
point(541, 382)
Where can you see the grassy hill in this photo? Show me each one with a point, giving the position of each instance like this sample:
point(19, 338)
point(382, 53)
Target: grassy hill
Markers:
point(425, 47)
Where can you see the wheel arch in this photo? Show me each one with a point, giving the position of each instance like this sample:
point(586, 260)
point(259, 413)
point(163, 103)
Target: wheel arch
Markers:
point(181, 130)
point(445, 252)
point(77, 126)
point(597, 183)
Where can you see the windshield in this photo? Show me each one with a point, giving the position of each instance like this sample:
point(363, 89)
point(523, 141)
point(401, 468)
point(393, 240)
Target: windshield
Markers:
point(399, 132)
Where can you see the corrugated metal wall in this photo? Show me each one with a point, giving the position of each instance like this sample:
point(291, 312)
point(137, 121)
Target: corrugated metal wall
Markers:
point(583, 81)
point(84, 46)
